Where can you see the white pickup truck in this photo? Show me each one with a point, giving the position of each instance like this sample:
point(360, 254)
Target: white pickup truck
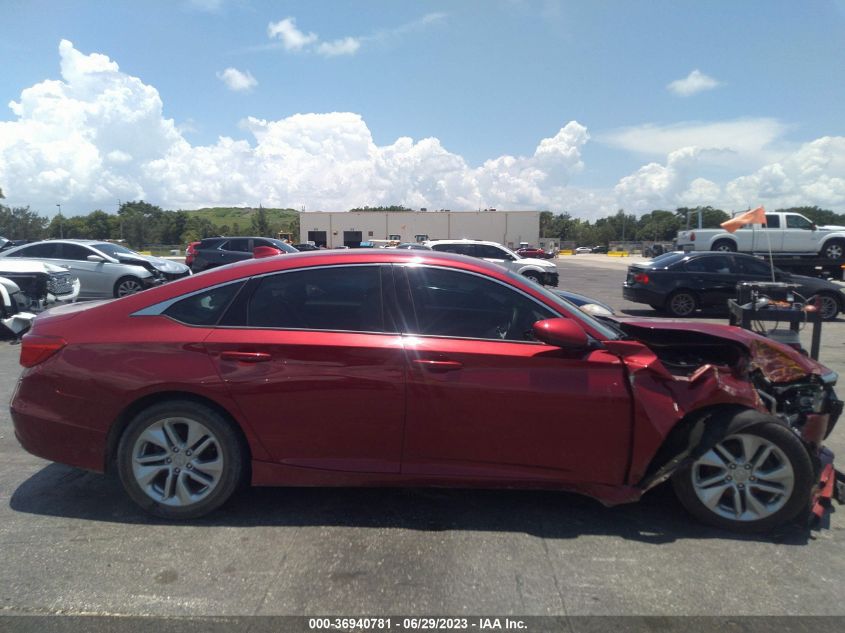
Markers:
point(783, 233)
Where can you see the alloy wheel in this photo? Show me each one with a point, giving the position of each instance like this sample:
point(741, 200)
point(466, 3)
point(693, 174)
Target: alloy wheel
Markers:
point(828, 307)
point(128, 287)
point(177, 461)
point(744, 477)
point(682, 304)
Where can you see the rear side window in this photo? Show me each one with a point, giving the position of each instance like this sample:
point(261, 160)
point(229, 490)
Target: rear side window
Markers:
point(460, 249)
point(45, 249)
point(772, 221)
point(490, 252)
point(711, 264)
point(204, 308)
point(751, 266)
point(342, 298)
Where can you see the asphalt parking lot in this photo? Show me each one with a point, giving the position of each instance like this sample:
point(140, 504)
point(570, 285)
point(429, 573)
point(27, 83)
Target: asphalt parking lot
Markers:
point(71, 543)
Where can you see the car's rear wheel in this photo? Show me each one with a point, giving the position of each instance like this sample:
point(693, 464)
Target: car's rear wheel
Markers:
point(533, 276)
point(724, 246)
point(828, 305)
point(127, 286)
point(752, 480)
point(180, 459)
point(681, 303)
point(834, 249)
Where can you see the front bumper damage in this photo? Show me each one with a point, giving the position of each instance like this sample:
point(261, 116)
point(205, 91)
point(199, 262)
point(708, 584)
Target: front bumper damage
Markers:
point(679, 397)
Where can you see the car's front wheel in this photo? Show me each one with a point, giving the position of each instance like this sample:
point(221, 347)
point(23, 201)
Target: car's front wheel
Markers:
point(752, 480)
point(180, 459)
point(533, 276)
point(828, 305)
point(127, 286)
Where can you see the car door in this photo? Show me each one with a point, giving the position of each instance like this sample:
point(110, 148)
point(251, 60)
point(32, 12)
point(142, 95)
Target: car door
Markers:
point(800, 235)
point(768, 236)
point(95, 278)
point(315, 368)
point(485, 400)
point(713, 277)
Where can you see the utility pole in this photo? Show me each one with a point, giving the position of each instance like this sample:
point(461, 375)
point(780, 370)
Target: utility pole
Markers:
point(61, 222)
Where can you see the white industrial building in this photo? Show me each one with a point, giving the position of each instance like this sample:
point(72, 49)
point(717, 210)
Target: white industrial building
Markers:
point(333, 229)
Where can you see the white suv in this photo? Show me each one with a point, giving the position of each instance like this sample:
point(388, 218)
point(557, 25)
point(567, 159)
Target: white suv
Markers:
point(542, 271)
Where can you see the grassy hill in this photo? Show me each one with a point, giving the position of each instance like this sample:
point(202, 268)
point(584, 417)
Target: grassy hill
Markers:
point(238, 219)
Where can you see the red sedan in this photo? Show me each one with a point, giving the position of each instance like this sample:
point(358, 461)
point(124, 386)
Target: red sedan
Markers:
point(533, 251)
point(388, 367)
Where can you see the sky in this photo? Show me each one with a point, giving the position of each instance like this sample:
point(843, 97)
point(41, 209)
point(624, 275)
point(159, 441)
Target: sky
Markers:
point(567, 106)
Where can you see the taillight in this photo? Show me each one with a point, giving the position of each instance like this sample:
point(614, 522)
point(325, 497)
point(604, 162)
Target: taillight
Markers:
point(692, 236)
point(36, 349)
point(191, 252)
point(641, 278)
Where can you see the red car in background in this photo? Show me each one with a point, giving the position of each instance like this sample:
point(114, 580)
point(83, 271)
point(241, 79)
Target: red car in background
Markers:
point(533, 251)
point(386, 367)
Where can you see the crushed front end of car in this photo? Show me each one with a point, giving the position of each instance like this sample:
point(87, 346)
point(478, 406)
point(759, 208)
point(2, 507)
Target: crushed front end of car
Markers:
point(696, 386)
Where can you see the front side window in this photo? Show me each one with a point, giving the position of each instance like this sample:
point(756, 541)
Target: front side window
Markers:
point(344, 298)
point(76, 252)
point(239, 245)
point(487, 251)
point(457, 304)
point(798, 222)
point(751, 266)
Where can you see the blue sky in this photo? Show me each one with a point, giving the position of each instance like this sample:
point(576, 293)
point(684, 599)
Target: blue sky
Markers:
point(754, 114)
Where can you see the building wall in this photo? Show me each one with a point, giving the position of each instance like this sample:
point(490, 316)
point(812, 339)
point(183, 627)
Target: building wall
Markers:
point(506, 227)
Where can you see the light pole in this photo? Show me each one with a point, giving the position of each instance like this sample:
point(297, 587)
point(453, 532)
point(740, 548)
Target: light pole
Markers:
point(61, 223)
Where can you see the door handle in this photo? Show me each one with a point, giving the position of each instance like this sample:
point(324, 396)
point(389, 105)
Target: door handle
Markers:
point(438, 366)
point(246, 357)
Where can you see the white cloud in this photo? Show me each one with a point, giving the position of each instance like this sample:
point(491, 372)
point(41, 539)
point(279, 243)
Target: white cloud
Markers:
point(734, 143)
point(292, 38)
point(237, 80)
point(98, 134)
point(345, 46)
point(692, 84)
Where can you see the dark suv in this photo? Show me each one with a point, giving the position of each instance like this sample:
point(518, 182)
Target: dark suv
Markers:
point(219, 251)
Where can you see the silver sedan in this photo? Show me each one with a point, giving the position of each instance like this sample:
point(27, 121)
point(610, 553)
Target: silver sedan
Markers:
point(104, 269)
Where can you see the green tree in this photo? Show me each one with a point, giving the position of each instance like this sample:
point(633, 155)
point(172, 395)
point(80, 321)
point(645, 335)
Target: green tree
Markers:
point(817, 215)
point(98, 225)
point(259, 223)
point(657, 226)
point(710, 218)
point(21, 223)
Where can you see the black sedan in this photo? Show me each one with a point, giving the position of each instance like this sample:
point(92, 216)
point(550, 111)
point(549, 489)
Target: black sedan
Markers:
point(681, 283)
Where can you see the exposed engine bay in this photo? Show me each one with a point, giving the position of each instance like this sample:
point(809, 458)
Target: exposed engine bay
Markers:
point(786, 389)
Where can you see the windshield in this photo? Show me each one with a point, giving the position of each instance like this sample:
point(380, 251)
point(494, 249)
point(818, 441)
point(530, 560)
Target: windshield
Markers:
point(283, 246)
point(113, 250)
point(570, 309)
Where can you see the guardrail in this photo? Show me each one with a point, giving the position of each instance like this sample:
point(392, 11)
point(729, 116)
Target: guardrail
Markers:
point(618, 254)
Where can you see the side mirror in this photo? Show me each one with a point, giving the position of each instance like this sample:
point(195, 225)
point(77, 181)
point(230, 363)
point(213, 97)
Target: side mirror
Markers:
point(95, 258)
point(813, 227)
point(561, 332)
point(265, 251)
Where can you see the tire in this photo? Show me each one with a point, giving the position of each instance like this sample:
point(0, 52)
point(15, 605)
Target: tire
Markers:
point(724, 246)
point(834, 249)
point(533, 276)
point(170, 478)
point(681, 303)
point(828, 305)
point(127, 286)
point(725, 486)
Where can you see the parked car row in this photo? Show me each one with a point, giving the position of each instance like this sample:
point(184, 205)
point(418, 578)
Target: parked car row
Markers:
point(680, 283)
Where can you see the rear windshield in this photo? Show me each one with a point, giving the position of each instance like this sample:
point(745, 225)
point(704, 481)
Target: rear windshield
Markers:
point(665, 260)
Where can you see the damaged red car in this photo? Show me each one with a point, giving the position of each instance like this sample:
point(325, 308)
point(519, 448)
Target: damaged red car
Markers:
point(386, 367)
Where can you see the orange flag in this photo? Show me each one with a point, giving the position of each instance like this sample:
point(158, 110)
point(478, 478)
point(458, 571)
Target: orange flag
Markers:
point(755, 216)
